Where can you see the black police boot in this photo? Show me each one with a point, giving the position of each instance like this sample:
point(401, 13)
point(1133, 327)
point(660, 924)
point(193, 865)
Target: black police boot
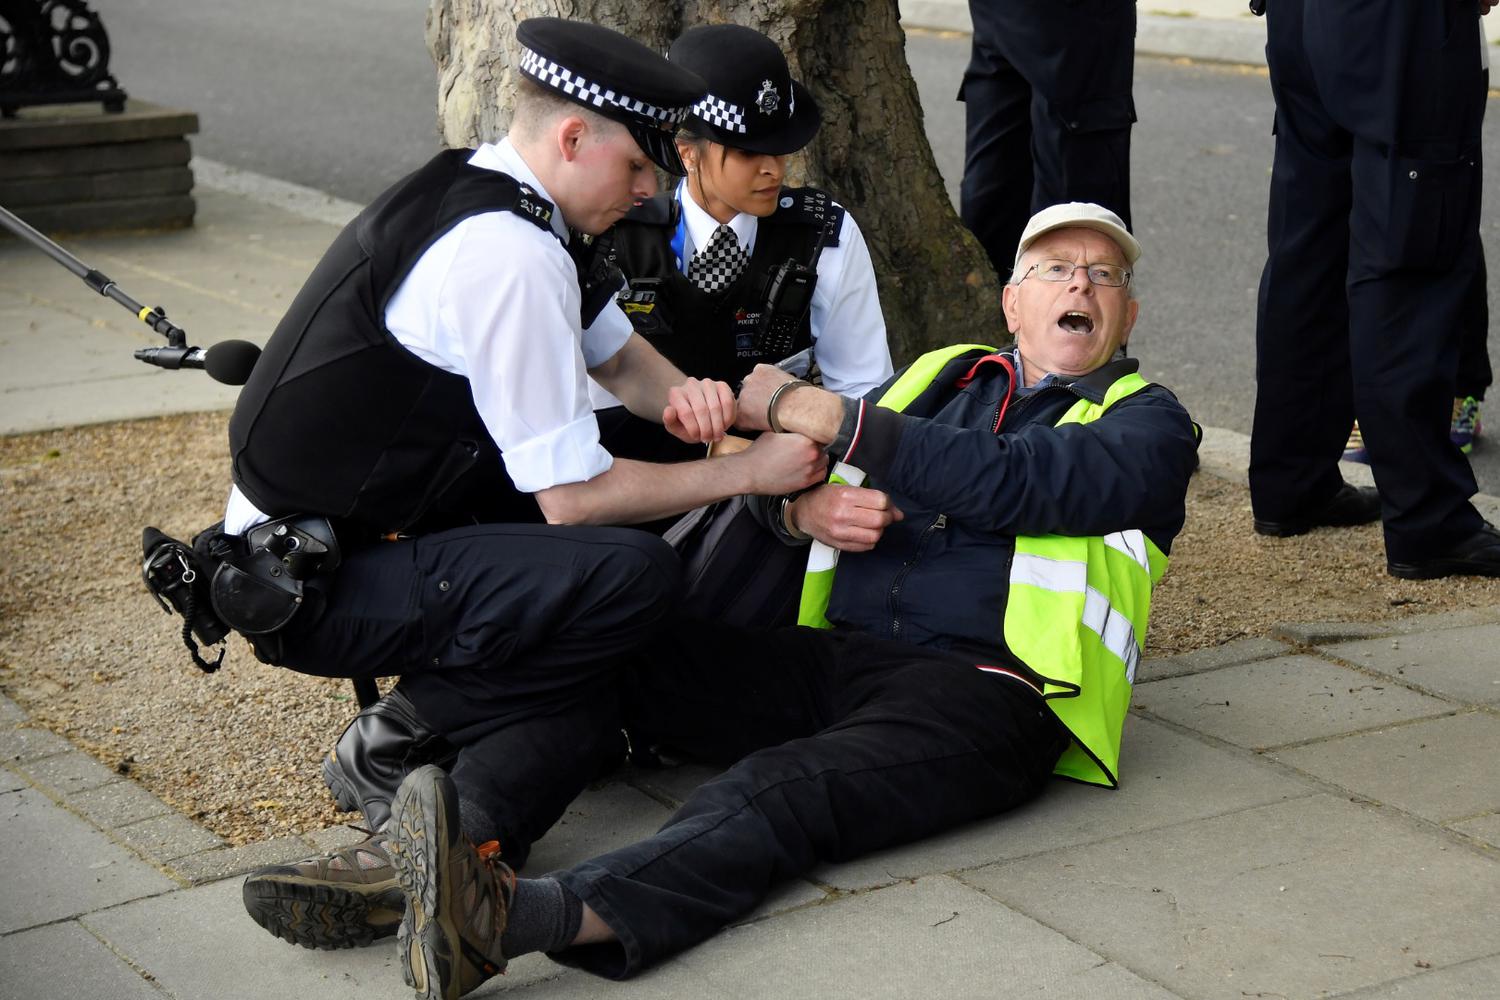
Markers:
point(1476, 555)
point(383, 744)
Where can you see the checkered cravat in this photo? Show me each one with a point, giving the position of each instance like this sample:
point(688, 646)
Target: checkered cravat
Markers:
point(715, 267)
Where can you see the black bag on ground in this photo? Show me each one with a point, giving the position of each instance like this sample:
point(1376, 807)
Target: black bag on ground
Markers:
point(734, 569)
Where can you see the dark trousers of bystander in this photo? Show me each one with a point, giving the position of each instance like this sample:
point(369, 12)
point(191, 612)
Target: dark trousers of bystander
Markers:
point(509, 640)
point(1048, 109)
point(845, 744)
point(1373, 253)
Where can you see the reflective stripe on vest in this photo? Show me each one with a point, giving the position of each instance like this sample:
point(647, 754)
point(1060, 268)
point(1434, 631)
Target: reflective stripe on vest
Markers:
point(822, 560)
point(1102, 585)
point(1078, 605)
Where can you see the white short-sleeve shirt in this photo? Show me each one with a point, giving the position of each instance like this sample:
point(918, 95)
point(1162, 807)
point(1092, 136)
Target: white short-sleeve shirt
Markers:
point(496, 300)
point(848, 329)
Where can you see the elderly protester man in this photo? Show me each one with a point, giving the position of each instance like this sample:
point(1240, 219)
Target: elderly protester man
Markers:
point(979, 633)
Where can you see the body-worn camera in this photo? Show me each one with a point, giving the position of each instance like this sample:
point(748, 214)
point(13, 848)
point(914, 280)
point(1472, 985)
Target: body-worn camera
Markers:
point(179, 579)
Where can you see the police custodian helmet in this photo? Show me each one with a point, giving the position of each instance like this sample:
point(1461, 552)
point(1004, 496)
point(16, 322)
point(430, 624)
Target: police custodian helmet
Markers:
point(614, 76)
point(752, 101)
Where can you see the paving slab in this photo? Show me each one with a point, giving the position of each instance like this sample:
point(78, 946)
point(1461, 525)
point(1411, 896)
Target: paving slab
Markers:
point(11, 781)
point(1483, 828)
point(21, 742)
point(1438, 769)
point(1166, 778)
point(673, 783)
point(166, 838)
point(932, 938)
point(57, 866)
point(211, 866)
point(599, 820)
point(1456, 663)
point(1298, 899)
point(70, 772)
point(1470, 981)
point(1212, 658)
point(198, 943)
point(1286, 700)
point(118, 804)
point(65, 962)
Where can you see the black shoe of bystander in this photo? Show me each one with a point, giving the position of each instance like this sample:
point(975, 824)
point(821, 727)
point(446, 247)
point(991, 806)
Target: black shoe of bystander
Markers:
point(1351, 505)
point(1477, 555)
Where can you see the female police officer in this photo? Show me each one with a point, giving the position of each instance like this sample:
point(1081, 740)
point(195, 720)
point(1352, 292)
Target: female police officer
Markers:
point(704, 260)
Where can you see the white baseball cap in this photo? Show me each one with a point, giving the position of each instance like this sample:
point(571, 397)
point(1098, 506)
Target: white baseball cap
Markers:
point(1081, 215)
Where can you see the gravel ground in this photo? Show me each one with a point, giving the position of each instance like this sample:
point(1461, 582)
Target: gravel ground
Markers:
point(87, 653)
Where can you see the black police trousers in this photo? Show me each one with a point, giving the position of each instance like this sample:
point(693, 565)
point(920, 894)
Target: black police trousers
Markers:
point(1048, 109)
point(1373, 236)
point(509, 640)
point(845, 744)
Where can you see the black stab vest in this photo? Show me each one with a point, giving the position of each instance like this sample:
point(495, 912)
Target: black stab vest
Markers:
point(338, 418)
point(712, 336)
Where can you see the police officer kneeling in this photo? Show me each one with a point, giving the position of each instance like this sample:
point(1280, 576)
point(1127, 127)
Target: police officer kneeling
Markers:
point(427, 392)
point(981, 631)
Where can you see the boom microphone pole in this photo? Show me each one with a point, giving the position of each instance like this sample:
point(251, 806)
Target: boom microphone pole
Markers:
point(228, 362)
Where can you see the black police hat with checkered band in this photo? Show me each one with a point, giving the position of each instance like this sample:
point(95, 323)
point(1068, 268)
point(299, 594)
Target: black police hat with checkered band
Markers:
point(752, 102)
point(614, 76)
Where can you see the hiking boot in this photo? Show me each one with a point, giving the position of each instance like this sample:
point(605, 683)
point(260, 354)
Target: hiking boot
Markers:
point(1351, 505)
point(1465, 428)
point(1477, 555)
point(1355, 450)
point(377, 750)
point(342, 899)
point(457, 895)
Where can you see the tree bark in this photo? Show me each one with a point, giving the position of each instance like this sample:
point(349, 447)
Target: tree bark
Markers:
point(936, 285)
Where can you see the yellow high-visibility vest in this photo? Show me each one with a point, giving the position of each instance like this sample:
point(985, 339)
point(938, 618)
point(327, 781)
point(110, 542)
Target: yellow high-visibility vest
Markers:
point(1078, 606)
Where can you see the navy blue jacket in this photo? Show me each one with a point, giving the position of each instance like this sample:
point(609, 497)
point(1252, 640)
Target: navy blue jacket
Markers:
point(940, 576)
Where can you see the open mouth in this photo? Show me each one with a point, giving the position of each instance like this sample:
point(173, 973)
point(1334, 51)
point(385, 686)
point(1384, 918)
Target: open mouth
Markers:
point(1076, 322)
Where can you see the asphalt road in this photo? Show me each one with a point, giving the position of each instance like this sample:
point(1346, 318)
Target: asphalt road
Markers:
point(339, 96)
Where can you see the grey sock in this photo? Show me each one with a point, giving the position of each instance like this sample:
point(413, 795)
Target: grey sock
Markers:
point(543, 917)
point(474, 821)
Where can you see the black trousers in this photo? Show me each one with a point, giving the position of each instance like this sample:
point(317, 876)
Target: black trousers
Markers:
point(845, 744)
point(509, 640)
point(1373, 237)
point(1048, 109)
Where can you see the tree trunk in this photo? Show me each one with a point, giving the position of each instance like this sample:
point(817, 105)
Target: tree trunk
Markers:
point(936, 285)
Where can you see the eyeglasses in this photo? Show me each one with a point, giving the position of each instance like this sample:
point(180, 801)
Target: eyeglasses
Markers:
point(1108, 275)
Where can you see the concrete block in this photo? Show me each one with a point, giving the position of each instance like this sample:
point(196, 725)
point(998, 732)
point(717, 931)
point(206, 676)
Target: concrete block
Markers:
point(119, 804)
point(1212, 658)
point(65, 962)
point(1482, 828)
point(932, 938)
point(1456, 663)
point(1280, 701)
point(1303, 899)
point(11, 781)
point(68, 125)
point(167, 838)
point(95, 187)
point(100, 160)
point(1322, 633)
point(210, 866)
point(152, 212)
point(70, 772)
point(1165, 778)
point(57, 866)
point(1439, 769)
point(22, 742)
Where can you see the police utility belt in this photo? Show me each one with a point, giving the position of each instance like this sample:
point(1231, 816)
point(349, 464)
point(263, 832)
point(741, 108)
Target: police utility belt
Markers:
point(254, 584)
